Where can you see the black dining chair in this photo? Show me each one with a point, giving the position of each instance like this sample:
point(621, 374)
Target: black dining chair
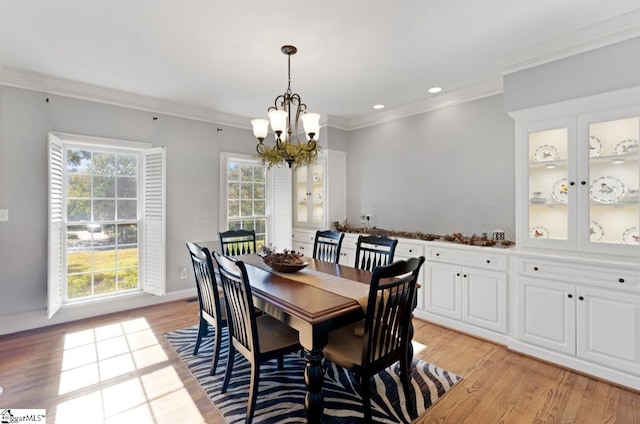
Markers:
point(258, 338)
point(212, 310)
point(237, 242)
point(373, 251)
point(327, 245)
point(384, 337)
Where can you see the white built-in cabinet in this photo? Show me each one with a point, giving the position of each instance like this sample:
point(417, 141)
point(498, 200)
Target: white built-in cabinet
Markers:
point(587, 311)
point(578, 176)
point(319, 192)
point(576, 270)
point(466, 289)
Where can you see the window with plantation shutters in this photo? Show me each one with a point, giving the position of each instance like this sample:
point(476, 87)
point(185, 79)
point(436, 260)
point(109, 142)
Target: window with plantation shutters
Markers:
point(106, 219)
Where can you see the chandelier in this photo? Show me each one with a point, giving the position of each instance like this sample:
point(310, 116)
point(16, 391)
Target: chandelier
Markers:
point(288, 108)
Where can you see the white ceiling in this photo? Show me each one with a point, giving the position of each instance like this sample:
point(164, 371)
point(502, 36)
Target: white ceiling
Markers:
point(224, 56)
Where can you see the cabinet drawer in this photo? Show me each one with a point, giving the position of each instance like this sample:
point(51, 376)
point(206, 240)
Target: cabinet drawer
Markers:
point(304, 236)
point(409, 250)
point(478, 259)
point(580, 273)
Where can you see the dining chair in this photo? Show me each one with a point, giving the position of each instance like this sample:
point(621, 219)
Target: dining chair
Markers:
point(373, 251)
point(384, 337)
point(327, 245)
point(211, 304)
point(237, 242)
point(258, 338)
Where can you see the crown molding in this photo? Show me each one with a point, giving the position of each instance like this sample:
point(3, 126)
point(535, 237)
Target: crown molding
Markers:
point(56, 86)
point(439, 101)
point(602, 34)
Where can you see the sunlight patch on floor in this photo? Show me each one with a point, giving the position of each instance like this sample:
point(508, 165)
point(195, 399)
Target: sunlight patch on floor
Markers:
point(94, 386)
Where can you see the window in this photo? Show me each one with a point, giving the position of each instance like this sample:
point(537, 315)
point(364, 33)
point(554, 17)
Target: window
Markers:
point(244, 195)
point(106, 219)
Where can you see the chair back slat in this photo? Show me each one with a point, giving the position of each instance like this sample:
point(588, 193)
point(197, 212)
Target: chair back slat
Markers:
point(207, 288)
point(374, 251)
point(240, 309)
point(237, 242)
point(390, 307)
point(327, 246)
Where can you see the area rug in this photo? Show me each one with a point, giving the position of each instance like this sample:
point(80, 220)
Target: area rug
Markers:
point(281, 392)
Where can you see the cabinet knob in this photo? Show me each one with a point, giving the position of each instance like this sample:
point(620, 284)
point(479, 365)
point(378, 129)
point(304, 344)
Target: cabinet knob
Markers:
point(535, 268)
point(583, 182)
point(572, 183)
point(410, 250)
point(457, 274)
point(581, 297)
point(620, 280)
point(464, 275)
point(437, 254)
point(488, 261)
point(570, 296)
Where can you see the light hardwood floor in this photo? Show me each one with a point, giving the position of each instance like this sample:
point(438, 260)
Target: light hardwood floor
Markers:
point(119, 368)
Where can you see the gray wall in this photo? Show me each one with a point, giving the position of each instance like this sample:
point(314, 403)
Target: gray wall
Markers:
point(450, 170)
point(597, 71)
point(192, 181)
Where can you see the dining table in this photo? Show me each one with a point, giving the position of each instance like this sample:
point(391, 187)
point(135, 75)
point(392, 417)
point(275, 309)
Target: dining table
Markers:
point(316, 300)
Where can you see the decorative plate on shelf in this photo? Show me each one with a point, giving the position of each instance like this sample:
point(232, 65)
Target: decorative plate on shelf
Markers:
point(595, 147)
point(631, 236)
point(316, 178)
point(319, 196)
point(539, 232)
point(596, 233)
point(607, 190)
point(545, 153)
point(626, 146)
point(538, 200)
point(559, 191)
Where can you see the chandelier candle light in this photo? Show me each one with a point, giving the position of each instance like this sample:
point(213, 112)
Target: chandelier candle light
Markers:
point(288, 148)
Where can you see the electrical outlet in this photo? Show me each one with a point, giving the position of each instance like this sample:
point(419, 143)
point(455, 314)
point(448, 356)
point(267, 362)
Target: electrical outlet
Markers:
point(183, 273)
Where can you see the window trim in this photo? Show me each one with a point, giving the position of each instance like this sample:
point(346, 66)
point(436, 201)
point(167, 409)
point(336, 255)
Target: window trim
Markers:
point(225, 158)
point(152, 213)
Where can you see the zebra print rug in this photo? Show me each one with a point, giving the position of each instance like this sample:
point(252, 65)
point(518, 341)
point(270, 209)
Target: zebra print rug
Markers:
point(281, 393)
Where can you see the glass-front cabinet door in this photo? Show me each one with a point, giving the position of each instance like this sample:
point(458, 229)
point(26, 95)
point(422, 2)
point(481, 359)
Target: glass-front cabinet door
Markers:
point(549, 201)
point(579, 183)
point(309, 195)
point(612, 182)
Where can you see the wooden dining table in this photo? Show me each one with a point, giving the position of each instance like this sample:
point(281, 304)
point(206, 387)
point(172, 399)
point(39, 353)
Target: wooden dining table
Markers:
point(311, 310)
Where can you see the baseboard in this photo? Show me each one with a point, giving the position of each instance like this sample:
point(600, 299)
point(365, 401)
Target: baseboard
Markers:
point(30, 320)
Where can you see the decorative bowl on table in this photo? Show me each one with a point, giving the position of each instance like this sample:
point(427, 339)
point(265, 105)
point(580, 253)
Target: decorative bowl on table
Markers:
point(286, 261)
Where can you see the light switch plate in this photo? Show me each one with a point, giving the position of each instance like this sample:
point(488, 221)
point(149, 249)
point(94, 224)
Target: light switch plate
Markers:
point(4, 214)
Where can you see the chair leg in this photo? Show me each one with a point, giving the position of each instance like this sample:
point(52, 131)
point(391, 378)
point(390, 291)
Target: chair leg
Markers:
point(202, 331)
point(253, 390)
point(227, 374)
point(281, 362)
point(405, 378)
point(365, 391)
point(217, 341)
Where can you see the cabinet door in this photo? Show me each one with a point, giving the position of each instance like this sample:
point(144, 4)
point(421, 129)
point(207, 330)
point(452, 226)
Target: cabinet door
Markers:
point(546, 314)
point(309, 195)
point(442, 295)
point(546, 197)
point(484, 299)
point(609, 328)
point(610, 182)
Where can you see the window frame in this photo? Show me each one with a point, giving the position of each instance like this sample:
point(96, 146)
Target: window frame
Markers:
point(225, 158)
point(151, 215)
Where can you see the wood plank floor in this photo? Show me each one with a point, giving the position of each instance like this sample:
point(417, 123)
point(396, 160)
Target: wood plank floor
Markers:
point(119, 368)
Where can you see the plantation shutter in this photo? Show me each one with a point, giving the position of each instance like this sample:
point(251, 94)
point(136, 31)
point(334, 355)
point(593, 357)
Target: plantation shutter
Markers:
point(154, 211)
point(281, 199)
point(56, 274)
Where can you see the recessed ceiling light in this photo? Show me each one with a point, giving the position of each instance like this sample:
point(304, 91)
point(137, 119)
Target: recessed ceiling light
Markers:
point(378, 106)
point(434, 90)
